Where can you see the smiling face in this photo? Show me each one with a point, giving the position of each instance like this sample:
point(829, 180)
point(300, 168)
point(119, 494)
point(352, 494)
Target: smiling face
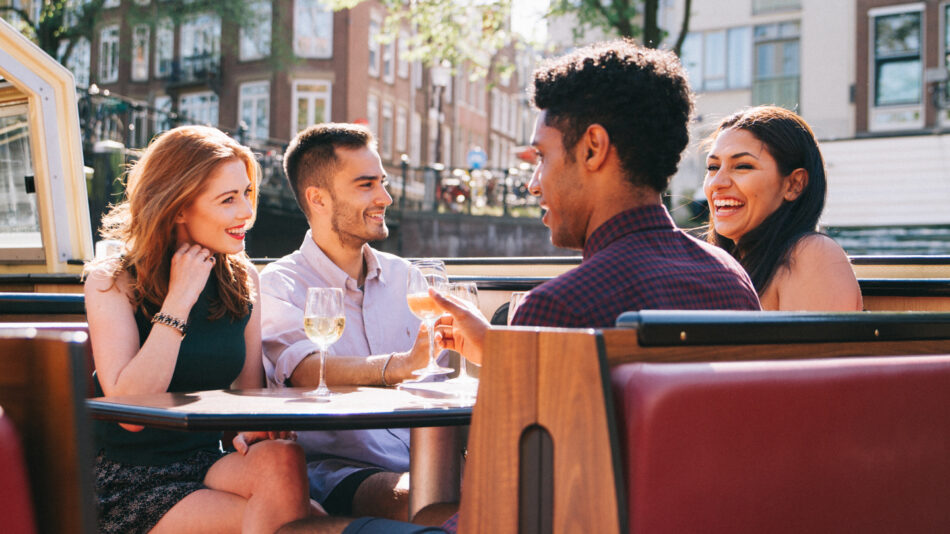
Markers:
point(218, 217)
point(358, 198)
point(743, 183)
point(557, 181)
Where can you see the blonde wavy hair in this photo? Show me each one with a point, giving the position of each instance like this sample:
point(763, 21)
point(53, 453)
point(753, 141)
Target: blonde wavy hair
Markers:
point(171, 173)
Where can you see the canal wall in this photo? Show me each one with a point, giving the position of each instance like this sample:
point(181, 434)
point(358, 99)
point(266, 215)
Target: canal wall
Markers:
point(420, 234)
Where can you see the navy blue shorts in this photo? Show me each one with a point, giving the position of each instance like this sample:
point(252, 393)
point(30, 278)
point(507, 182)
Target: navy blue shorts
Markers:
point(373, 525)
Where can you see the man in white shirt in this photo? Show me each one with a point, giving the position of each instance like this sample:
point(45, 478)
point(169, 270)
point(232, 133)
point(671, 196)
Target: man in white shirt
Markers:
point(339, 183)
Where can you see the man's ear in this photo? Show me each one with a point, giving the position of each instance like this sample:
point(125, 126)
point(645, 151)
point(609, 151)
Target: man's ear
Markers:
point(594, 147)
point(795, 183)
point(316, 198)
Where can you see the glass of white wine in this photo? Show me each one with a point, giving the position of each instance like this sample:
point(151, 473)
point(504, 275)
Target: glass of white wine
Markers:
point(426, 273)
point(466, 292)
point(323, 321)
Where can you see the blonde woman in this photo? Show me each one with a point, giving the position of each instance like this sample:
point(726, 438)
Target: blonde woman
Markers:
point(178, 311)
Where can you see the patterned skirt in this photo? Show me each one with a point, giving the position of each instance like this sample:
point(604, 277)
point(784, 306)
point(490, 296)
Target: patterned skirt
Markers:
point(132, 498)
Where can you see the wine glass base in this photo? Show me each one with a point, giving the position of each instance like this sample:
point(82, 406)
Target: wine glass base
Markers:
point(433, 370)
point(320, 394)
point(462, 379)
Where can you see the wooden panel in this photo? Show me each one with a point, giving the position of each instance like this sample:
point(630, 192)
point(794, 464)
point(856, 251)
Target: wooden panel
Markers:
point(573, 405)
point(43, 385)
point(934, 304)
point(507, 403)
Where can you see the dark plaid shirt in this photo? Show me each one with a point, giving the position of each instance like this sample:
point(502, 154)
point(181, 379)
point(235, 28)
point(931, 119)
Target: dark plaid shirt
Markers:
point(638, 260)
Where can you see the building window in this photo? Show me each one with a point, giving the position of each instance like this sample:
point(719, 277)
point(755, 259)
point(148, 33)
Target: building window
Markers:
point(163, 113)
point(140, 37)
point(776, 76)
point(78, 61)
point(768, 6)
point(417, 74)
point(313, 29)
point(415, 138)
point(373, 47)
point(403, 63)
point(200, 45)
point(401, 129)
point(164, 47)
point(719, 60)
point(372, 114)
point(110, 3)
point(254, 106)
point(386, 132)
point(109, 54)
point(311, 104)
point(389, 63)
point(255, 36)
point(199, 108)
point(897, 63)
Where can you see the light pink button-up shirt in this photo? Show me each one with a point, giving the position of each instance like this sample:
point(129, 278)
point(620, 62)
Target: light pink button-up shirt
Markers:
point(378, 321)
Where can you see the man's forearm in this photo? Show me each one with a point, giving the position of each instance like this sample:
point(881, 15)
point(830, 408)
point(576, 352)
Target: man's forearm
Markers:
point(352, 370)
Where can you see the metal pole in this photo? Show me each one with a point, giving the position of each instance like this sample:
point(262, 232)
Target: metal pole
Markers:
point(504, 195)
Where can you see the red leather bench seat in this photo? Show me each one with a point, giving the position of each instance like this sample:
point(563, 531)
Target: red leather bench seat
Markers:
point(840, 445)
point(16, 510)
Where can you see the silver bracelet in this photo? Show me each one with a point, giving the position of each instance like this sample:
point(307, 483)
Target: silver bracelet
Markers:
point(382, 374)
point(168, 320)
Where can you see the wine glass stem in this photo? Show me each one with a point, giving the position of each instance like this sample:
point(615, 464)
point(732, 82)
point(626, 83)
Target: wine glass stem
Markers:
point(463, 367)
point(430, 326)
point(323, 369)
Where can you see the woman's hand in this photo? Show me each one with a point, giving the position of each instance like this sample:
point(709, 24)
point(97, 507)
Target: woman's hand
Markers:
point(191, 265)
point(243, 441)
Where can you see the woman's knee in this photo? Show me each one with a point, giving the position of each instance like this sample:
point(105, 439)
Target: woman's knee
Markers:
point(282, 458)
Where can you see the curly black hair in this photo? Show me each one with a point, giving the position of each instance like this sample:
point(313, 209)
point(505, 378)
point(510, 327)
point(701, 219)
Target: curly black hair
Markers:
point(639, 95)
point(311, 156)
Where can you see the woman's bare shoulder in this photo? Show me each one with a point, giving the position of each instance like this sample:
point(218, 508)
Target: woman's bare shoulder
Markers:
point(104, 277)
point(818, 249)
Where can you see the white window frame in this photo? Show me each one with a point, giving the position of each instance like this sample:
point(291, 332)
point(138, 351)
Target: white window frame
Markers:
point(386, 131)
point(141, 35)
point(400, 143)
point(389, 62)
point(402, 64)
point(199, 108)
point(313, 30)
point(164, 47)
point(325, 95)
point(255, 38)
point(415, 138)
point(109, 54)
point(163, 109)
point(200, 35)
point(260, 96)
point(882, 118)
point(78, 62)
point(374, 48)
point(372, 113)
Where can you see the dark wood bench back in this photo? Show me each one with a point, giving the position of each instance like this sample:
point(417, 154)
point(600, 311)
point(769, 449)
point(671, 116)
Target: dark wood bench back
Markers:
point(43, 379)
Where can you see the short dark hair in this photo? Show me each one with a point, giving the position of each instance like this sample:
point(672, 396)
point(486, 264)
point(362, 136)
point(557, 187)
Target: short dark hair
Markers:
point(639, 95)
point(311, 157)
point(791, 142)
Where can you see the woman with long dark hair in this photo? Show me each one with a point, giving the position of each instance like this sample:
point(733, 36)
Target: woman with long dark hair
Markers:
point(765, 184)
point(178, 310)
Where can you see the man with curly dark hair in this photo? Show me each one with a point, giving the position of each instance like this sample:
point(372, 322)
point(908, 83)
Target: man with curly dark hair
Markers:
point(613, 121)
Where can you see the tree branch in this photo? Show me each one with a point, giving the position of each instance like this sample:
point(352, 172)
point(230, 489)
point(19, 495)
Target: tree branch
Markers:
point(684, 29)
